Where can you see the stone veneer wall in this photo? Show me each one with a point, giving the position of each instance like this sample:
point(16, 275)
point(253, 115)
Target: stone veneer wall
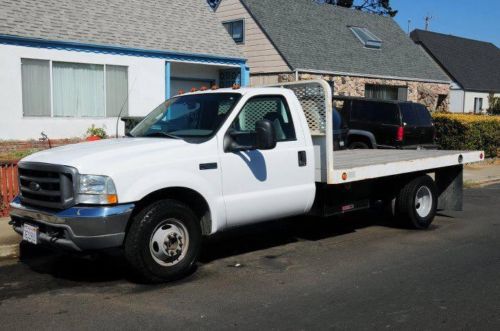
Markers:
point(424, 93)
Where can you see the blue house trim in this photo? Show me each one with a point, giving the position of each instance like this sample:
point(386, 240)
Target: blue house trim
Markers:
point(119, 50)
point(168, 66)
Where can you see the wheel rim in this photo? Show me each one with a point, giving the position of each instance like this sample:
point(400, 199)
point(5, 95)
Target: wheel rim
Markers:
point(169, 242)
point(423, 201)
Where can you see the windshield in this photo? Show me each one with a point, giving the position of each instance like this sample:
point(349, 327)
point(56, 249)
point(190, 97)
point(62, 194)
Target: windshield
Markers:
point(188, 116)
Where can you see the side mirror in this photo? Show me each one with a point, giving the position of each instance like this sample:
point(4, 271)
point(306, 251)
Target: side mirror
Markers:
point(265, 136)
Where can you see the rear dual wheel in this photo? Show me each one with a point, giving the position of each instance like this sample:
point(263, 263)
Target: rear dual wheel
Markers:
point(416, 203)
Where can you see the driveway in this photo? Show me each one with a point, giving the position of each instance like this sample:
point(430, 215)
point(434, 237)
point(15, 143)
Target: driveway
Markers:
point(303, 273)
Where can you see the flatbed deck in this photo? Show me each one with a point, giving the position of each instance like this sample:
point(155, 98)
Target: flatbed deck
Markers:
point(361, 164)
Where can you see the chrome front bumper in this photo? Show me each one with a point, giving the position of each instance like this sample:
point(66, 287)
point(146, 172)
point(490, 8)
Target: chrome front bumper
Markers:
point(77, 228)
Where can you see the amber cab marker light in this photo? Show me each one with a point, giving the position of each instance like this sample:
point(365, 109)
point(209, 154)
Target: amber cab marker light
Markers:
point(344, 176)
point(214, 87)
point(203, 88)
point(236, 86)
point(180, 92)
point(193, 89)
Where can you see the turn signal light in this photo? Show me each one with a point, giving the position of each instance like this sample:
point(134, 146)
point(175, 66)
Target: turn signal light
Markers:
point(112, 199)
point(400, 134)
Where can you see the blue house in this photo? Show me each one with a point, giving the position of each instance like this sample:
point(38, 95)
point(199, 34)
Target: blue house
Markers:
point(69, 64)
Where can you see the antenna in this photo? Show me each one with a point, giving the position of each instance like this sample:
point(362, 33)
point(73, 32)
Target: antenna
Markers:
point(123, 106)
point(428, 19)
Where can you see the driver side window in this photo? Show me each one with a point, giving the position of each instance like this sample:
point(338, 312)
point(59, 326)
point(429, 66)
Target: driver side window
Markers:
point(272, 108)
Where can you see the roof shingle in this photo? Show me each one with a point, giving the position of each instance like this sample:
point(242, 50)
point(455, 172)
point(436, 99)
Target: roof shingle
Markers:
point(187, 26)
point(317, 37)
point(473, 64)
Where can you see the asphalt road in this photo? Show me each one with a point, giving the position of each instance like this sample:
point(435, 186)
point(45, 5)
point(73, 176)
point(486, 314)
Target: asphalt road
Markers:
point(351, 273)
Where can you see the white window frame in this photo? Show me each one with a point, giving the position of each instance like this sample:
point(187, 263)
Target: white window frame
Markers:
point(51, 83)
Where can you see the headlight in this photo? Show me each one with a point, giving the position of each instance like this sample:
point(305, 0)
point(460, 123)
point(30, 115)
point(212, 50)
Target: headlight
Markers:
point(99, 190)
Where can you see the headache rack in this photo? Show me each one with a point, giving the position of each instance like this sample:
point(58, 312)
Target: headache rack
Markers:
point(315, 97)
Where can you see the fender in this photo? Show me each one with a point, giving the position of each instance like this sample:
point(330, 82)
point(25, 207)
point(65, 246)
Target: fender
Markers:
point(363, 133)
point(151, 182)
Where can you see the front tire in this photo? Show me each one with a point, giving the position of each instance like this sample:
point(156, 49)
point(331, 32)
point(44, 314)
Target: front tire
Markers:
point(416, 203)
point(163, 241)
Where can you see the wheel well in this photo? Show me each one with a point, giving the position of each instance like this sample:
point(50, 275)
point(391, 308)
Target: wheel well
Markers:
point(355, 137)
point(191, 198)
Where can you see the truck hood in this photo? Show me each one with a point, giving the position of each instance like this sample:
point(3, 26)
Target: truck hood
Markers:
point(89, 156)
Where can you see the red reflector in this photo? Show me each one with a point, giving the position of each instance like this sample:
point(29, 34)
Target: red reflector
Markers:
point(481, 156)
point(400, 134)
point(347, 207)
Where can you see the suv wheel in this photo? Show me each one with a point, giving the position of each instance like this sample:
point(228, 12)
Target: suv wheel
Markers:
point(163, 242)
point(358, 145)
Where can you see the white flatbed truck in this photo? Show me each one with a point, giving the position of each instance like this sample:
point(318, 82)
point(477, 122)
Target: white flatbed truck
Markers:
point(207, 161)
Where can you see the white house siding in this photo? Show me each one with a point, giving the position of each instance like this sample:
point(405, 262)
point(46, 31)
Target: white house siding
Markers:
point(456, 100)
point(146, 86)
point(463, 102)
point(262, 56)
point(146, 79)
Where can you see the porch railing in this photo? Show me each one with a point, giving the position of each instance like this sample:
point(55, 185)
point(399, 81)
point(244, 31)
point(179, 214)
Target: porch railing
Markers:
point(9, 187)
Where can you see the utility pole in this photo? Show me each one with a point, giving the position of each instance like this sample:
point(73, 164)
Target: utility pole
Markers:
point(428, 19)
point(409, 22)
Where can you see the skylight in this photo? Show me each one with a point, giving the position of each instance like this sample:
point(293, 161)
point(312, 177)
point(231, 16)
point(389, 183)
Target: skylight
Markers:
point(367, 38)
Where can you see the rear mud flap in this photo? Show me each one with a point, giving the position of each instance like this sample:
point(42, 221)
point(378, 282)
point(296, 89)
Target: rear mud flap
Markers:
point(450, 182)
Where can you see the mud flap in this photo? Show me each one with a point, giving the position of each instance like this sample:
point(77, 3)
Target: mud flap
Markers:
point(449, 182)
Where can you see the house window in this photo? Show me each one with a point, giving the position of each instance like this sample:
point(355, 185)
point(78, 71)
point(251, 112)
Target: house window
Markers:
point(478, 105)
point(77, 89)
point(236, 30)
point(368, 39)
point(386, 92)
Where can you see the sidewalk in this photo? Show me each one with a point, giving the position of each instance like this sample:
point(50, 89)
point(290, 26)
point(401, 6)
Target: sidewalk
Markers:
point(9, 240)
point(483, 173)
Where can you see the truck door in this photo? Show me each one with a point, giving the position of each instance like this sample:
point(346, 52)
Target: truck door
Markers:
point(260, 185)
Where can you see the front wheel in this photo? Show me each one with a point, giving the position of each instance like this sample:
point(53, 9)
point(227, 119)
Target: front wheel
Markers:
point(163, 241)
point(416, 203)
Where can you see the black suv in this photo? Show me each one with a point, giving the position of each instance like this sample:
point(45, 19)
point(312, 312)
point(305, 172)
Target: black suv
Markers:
point(386, 124)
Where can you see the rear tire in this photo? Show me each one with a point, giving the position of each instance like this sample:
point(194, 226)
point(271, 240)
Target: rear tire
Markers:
point(359, 145)
point(163, 241)
point(416, 203)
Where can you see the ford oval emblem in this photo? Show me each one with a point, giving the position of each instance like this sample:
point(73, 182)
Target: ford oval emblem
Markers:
point(34, 186)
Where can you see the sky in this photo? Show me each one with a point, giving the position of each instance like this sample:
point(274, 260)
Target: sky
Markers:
point(474, 19)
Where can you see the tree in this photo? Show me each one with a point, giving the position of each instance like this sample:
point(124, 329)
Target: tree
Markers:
point(381, 7)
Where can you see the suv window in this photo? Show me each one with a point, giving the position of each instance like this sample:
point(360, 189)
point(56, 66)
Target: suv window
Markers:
point(386, 113)
point(379, 112)
point(408, 114)
point(272, 108)
point(423, 115)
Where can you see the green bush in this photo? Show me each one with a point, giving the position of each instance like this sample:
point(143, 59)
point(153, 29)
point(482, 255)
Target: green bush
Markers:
point(468, 132)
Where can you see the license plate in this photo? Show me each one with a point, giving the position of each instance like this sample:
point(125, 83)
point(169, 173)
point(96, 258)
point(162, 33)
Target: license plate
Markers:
point(30, 233)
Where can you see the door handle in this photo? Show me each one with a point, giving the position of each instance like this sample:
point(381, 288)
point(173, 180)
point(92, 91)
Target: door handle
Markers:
point(302, 158)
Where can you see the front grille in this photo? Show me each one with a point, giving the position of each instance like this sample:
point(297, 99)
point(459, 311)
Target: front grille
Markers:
point(47, 185)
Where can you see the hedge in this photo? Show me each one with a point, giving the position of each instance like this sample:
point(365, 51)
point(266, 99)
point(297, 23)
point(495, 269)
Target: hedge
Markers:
point(468, 132)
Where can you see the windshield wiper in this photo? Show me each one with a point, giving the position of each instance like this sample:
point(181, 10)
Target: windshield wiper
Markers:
point(161, 134)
